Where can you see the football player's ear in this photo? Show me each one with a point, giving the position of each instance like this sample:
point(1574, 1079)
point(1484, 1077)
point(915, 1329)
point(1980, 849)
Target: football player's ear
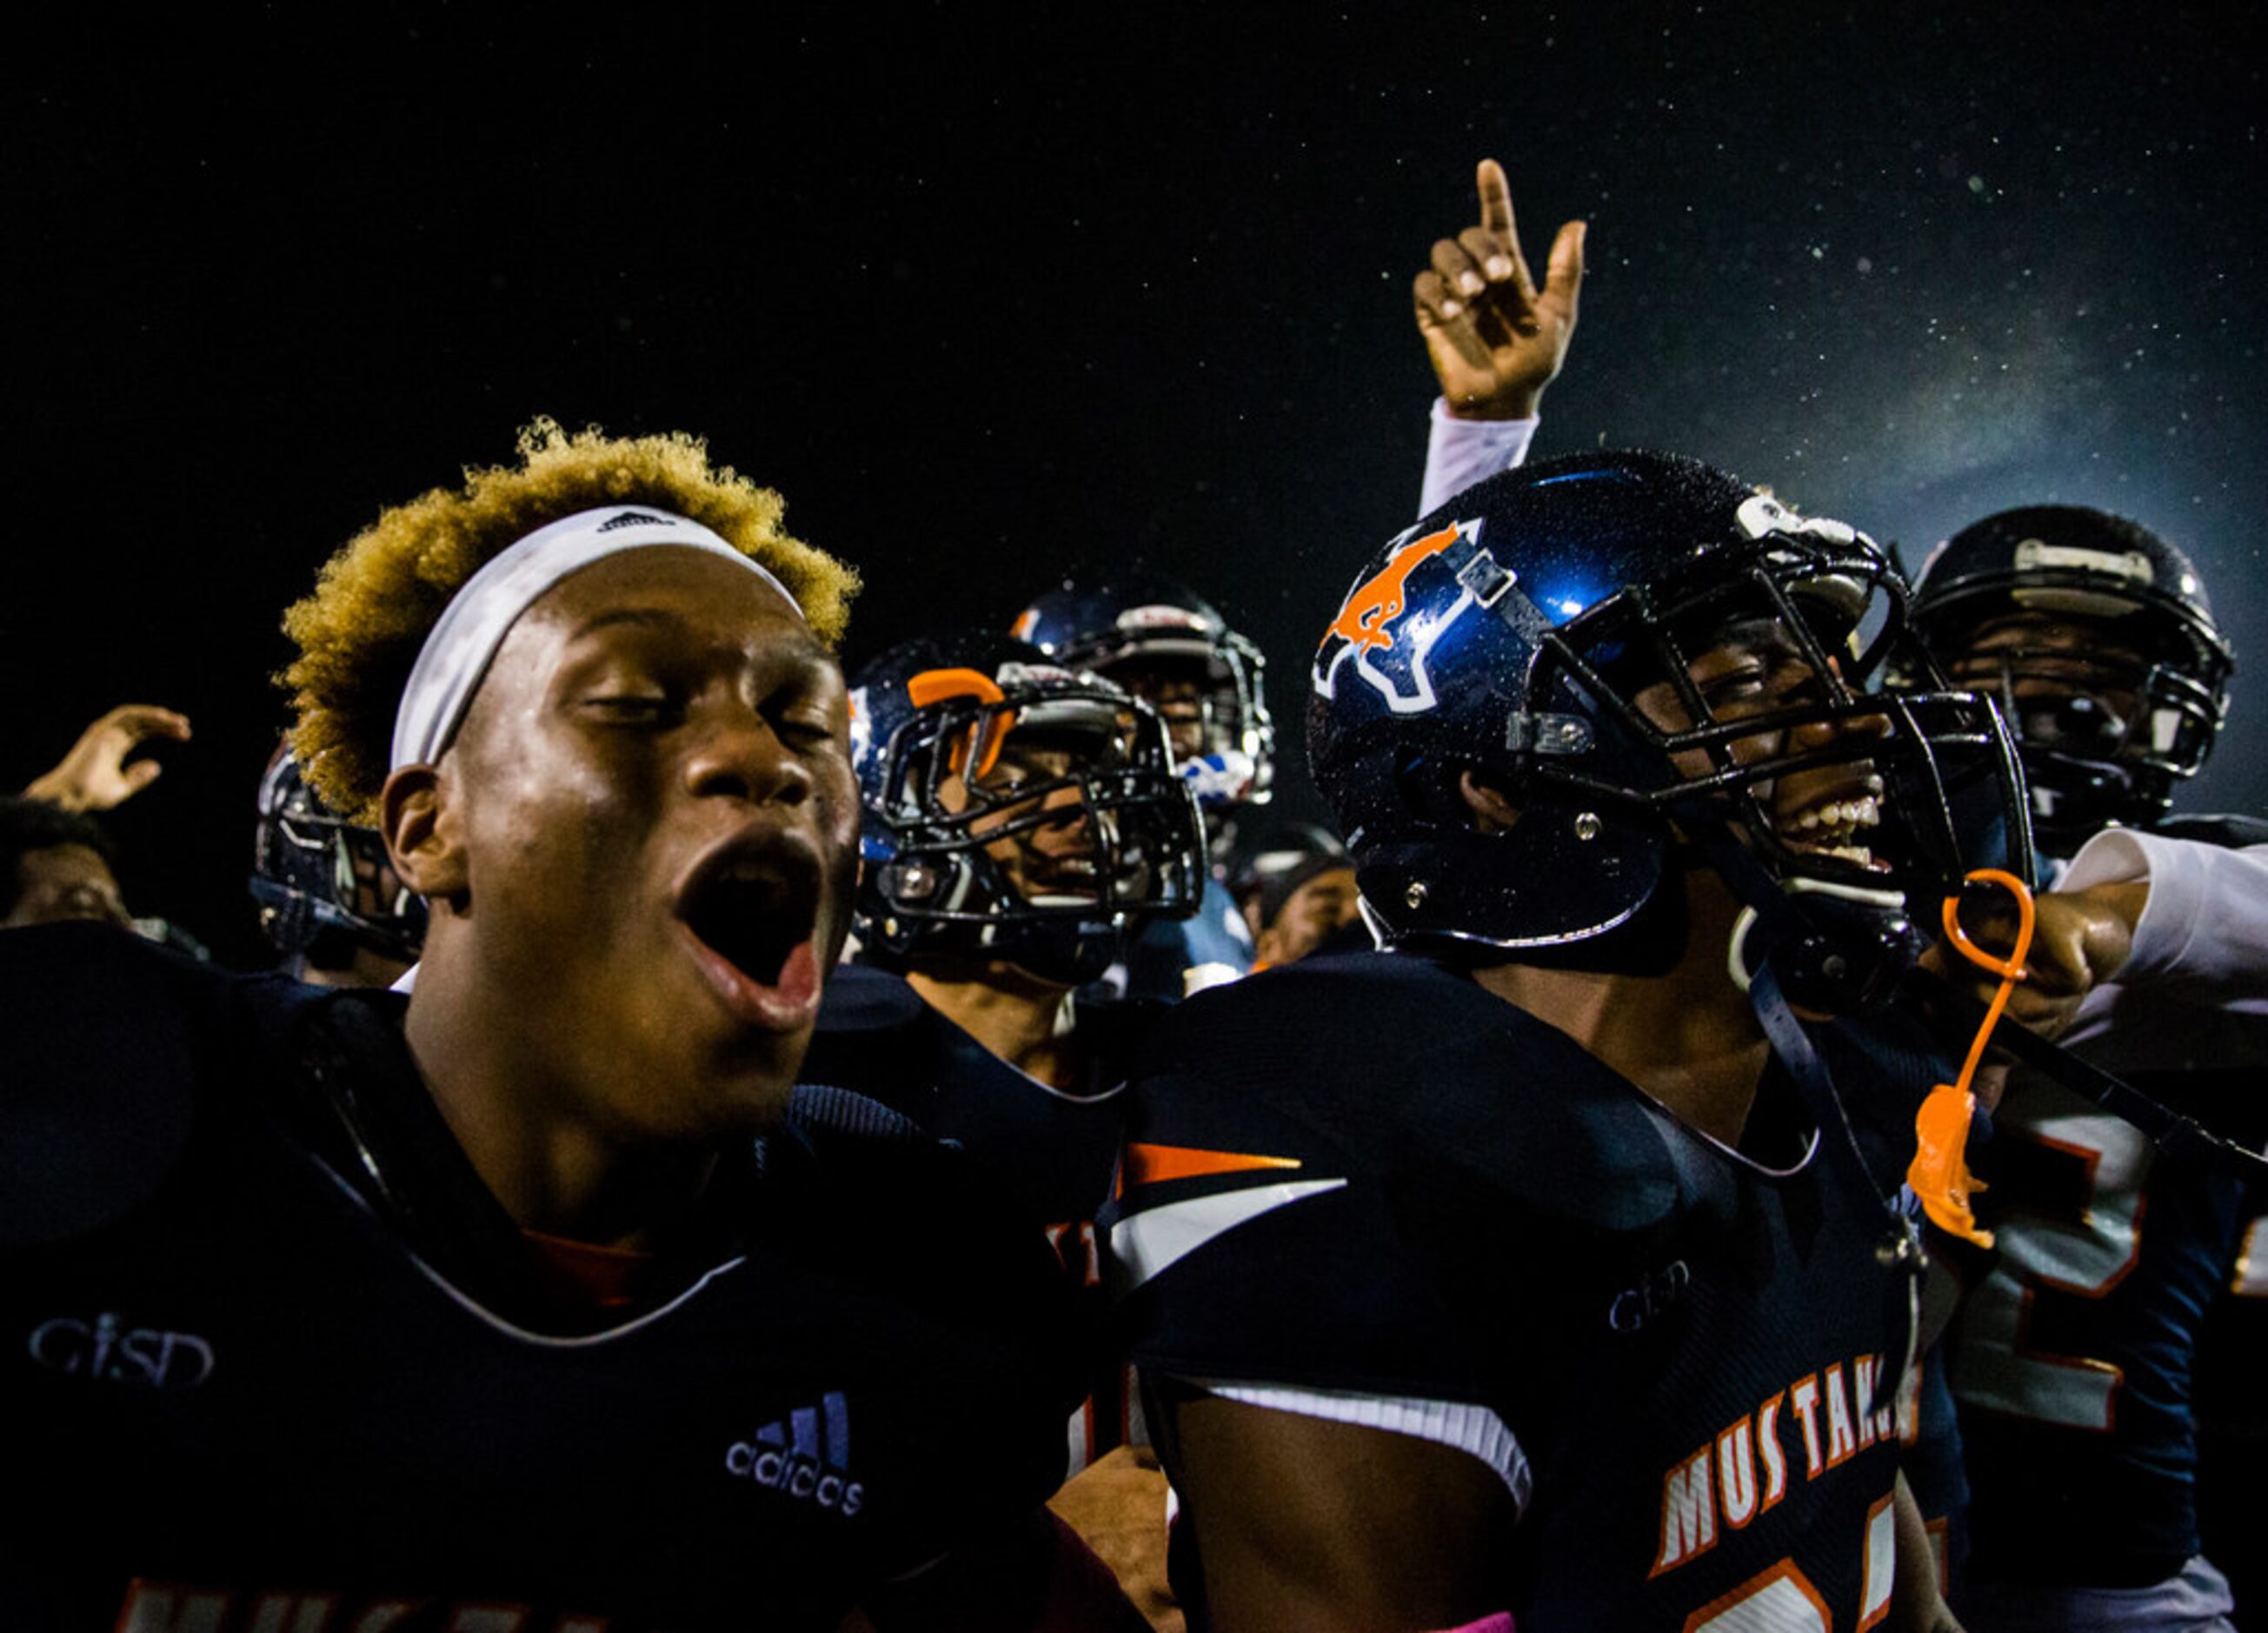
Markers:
point(1490, 811)
point(422, 835)
point(1494, 338)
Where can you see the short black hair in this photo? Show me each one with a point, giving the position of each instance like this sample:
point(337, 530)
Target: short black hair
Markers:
point(28, 825)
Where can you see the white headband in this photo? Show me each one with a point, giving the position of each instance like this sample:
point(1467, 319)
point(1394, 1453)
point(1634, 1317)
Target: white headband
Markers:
point(473, 624)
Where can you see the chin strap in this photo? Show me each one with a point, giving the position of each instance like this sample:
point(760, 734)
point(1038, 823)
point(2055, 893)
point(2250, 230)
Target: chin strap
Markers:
point(1940, 1172)
point(1819, 948)
point(1837, 950)
point(1792, 1047)
point(1898, 1249)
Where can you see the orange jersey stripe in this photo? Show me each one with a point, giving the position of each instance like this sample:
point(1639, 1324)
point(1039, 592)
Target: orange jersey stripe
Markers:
point(1147, 1164)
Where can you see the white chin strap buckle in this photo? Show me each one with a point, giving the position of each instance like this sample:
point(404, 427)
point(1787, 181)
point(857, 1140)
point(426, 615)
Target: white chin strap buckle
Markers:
point(1736, 951)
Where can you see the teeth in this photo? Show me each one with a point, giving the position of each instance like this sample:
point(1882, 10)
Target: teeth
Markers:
point(1829, 815)
point(1840, 817)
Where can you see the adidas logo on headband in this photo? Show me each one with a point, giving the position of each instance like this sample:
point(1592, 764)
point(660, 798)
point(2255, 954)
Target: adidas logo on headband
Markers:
point(630, 519)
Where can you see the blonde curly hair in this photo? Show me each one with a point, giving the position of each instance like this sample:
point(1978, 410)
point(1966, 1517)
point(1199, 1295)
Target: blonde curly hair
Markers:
point(380, 595)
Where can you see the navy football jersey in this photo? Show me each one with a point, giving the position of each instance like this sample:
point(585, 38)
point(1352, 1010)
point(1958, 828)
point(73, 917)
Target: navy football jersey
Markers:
point(2232, 1415)
point(276, 1358)
point(1055, 1151)
point(1162, 951)
point(2073, 1358)
point(2231, 1392)
point(1893, 1058)
point(1368, 1174)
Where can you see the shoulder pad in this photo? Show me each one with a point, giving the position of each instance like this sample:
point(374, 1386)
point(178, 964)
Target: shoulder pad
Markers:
point(1341, 1175)
point(104, 1052)
point(821, 1113)
point(859, 1183)
point(1115, 1031)
point(860, 998)
point(1417, 1074)
point(877, 1042)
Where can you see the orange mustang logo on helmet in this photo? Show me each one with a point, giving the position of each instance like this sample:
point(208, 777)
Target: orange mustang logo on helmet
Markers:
point(1367, 619)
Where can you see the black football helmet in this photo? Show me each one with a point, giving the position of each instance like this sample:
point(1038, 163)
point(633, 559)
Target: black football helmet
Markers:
point(1512, 631)
point(967, 744)
point(2095, 637)
point(1131, 624)
point(325, 885)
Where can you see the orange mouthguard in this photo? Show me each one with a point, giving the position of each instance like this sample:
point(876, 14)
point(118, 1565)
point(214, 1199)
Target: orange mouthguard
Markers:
point(1940, 1172)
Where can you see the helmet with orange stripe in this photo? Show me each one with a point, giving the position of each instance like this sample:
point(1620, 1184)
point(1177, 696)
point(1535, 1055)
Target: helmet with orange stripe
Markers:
point(1015, 811)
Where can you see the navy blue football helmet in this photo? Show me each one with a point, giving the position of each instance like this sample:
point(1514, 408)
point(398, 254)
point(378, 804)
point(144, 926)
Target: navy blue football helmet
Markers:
point(1515, 633)
point(1148, 633)
point(1014, 809)
point(325, 885)
point(2095, 637)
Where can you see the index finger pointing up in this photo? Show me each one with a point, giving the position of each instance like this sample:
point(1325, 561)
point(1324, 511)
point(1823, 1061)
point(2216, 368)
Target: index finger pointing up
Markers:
point(1496, 203)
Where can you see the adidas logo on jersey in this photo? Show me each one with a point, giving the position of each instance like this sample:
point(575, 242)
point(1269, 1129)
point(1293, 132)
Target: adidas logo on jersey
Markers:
point(631, 518)
point(805, 1455)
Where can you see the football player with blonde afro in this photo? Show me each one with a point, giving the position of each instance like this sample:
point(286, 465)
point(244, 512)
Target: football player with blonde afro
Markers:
point(542, 1284)
point(380, 595)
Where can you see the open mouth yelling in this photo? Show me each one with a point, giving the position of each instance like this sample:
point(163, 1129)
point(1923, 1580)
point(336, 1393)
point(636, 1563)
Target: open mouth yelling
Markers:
point(750, 908)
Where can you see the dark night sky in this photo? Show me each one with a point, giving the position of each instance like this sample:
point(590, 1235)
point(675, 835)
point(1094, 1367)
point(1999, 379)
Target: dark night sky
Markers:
point(981, 297)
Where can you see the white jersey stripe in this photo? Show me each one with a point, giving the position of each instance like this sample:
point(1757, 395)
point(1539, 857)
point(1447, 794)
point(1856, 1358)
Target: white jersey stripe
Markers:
point(1149, 1241)
point(1473, 1430)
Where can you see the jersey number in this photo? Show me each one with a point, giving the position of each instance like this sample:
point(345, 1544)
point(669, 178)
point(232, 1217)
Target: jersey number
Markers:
point(2250, 1279)
point(1781, 1599)
point(2079, 1235)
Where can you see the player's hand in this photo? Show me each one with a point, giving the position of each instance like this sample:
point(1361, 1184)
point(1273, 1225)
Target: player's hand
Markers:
point(1495, 339)
point(94, 775)
point(2080, 940)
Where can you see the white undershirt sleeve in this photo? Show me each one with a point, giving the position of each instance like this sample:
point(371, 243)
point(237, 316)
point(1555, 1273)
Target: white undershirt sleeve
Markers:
point(2204, 932)
point(1461, 452)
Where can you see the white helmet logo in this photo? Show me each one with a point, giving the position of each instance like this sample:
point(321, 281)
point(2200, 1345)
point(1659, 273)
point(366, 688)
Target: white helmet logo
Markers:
point(2035, 554)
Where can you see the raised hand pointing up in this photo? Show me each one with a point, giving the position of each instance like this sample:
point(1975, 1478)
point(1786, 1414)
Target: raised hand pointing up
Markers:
point(1495, 339)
